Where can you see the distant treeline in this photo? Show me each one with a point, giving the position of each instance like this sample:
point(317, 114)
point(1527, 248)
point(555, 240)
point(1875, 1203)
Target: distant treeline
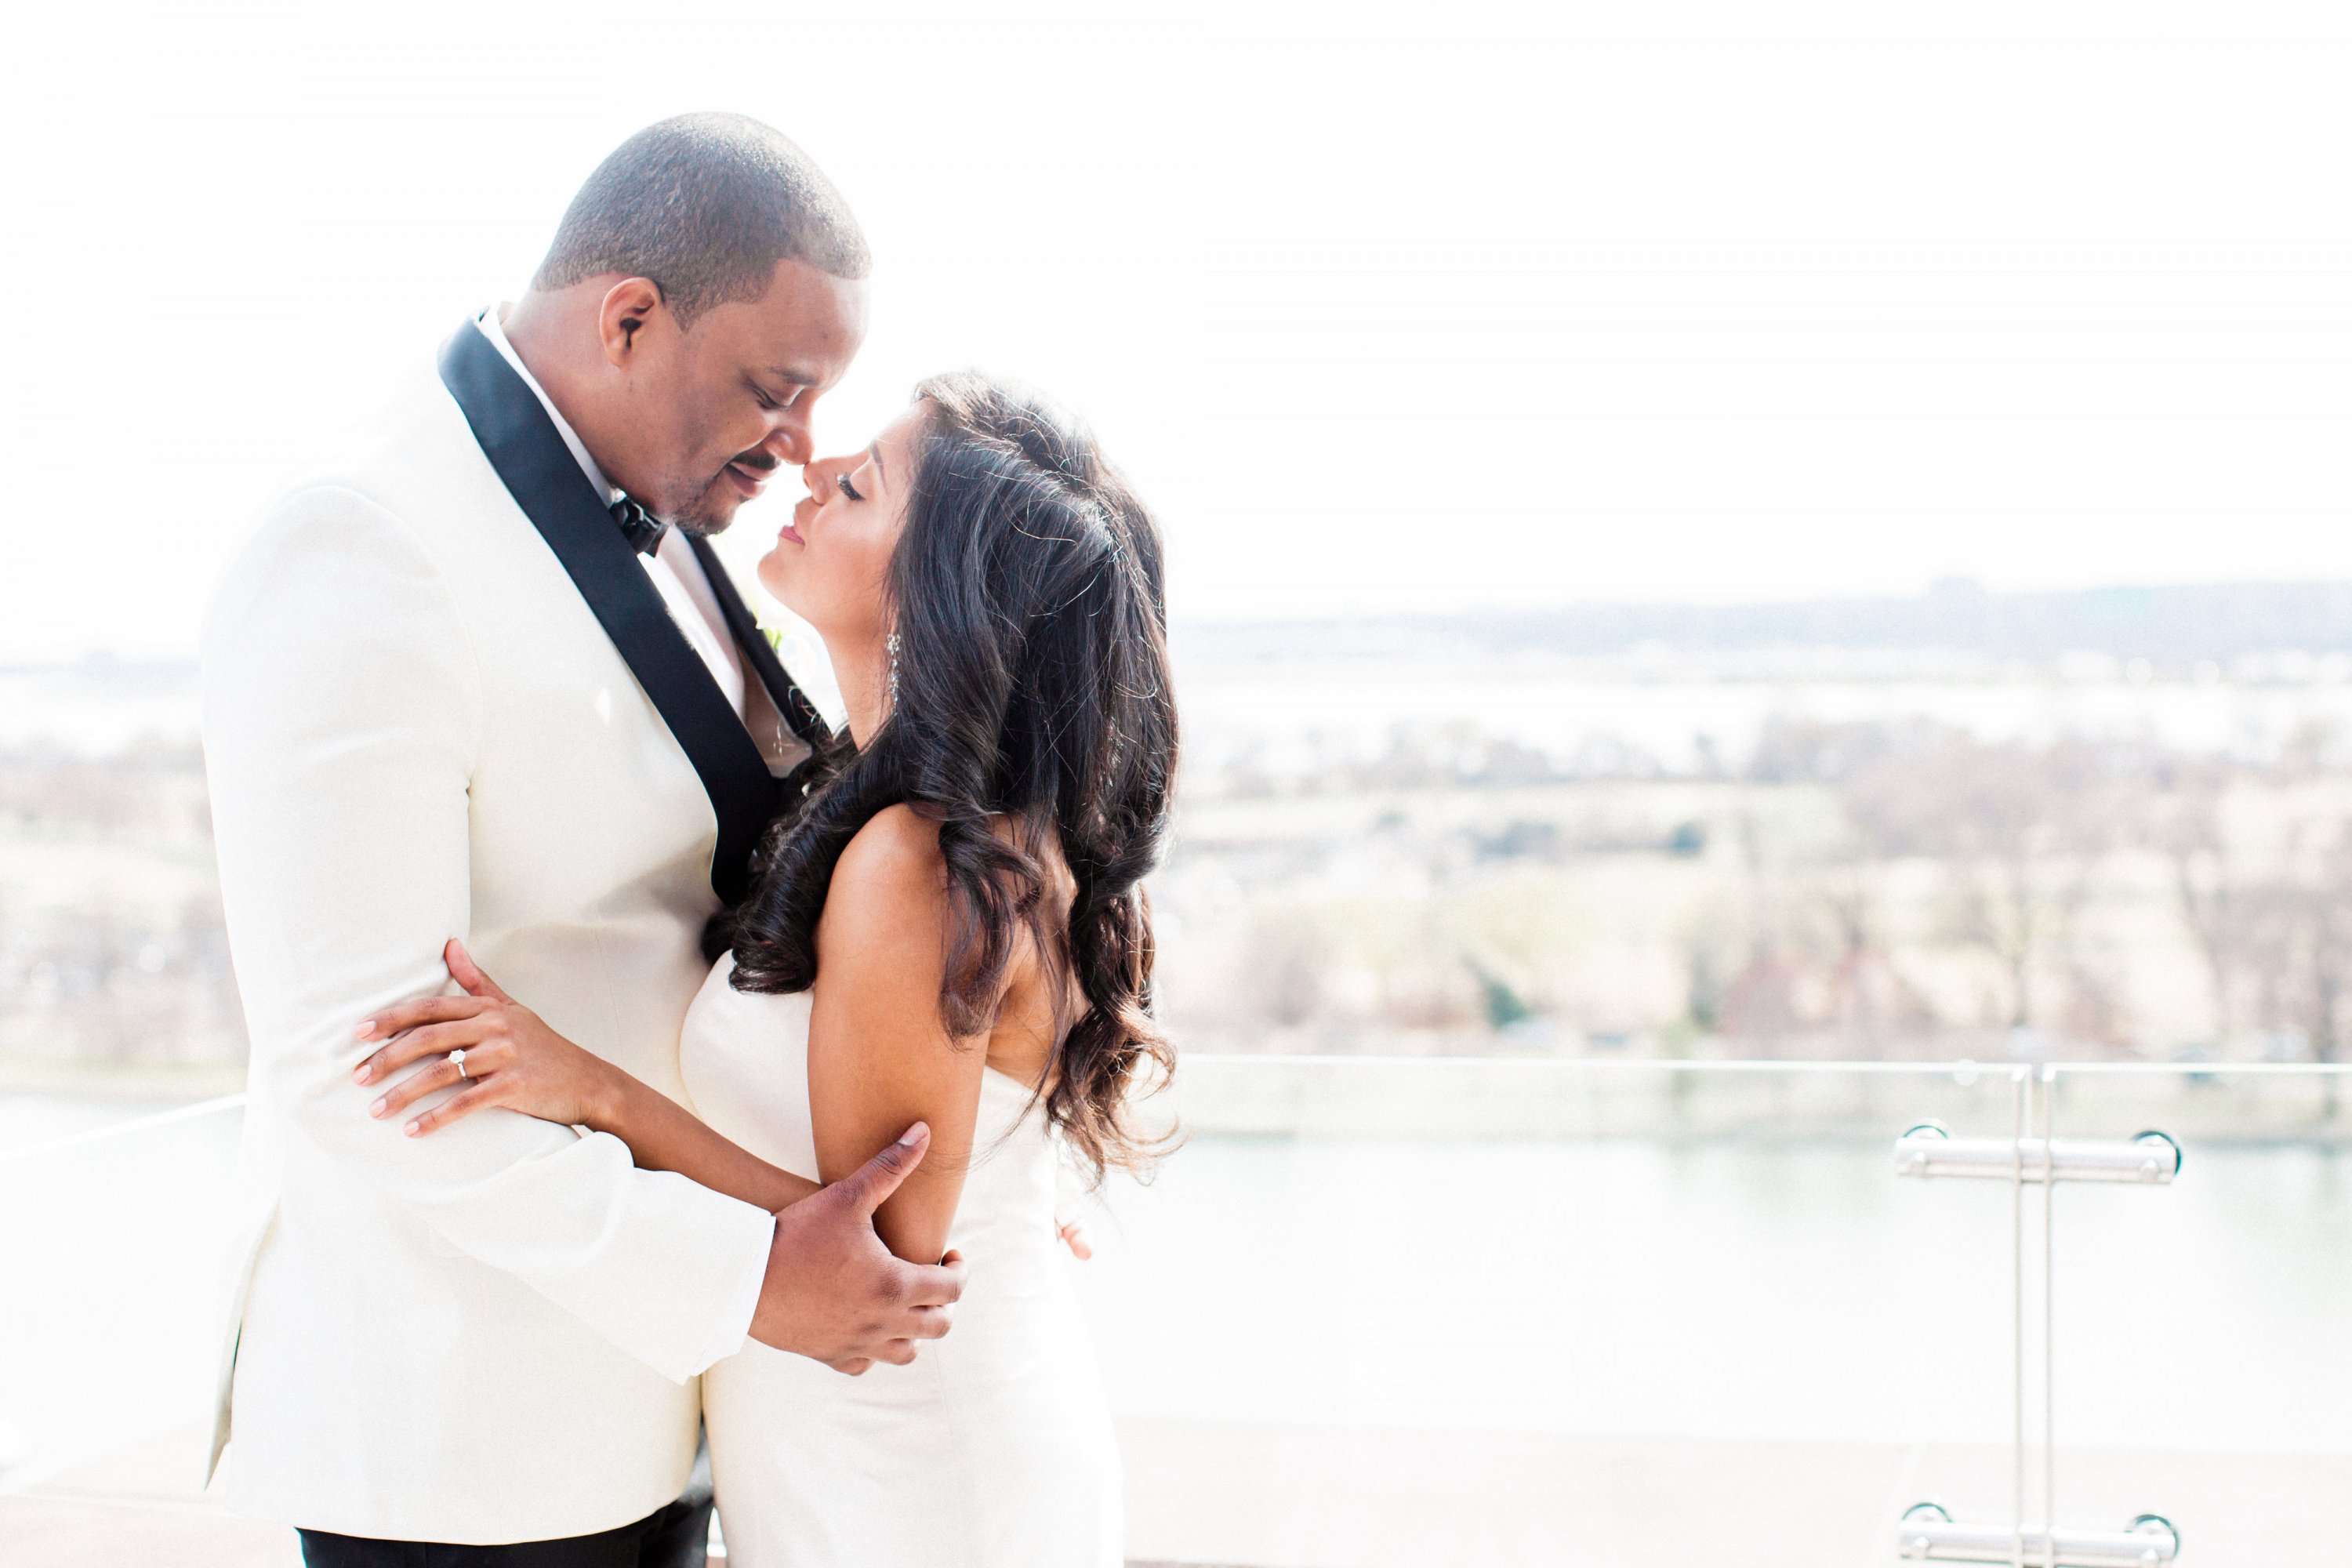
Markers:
point(2172, 628)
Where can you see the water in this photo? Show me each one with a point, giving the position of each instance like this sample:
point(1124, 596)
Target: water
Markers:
point(1287, 717)
point(99, 708)
point(1712, 1287)
point(1722, 1289)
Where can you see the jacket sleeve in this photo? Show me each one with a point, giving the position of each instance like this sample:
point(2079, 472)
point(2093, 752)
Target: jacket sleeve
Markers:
point(341, 707)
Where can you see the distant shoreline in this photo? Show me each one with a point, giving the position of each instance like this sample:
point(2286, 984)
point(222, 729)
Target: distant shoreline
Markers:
point(2174, 628)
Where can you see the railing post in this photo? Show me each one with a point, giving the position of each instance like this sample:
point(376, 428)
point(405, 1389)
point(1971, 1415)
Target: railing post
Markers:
point(2026, 1157)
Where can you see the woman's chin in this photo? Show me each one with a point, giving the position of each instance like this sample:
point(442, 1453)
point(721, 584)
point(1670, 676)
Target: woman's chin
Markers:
point(775, 573)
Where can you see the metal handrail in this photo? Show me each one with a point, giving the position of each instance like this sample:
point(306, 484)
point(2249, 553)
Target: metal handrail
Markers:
point(1767, 1066)
point(124, 1129)
point(1632, 1065)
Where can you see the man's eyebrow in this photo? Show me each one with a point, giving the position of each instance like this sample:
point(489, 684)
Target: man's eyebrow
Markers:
point(797, 377)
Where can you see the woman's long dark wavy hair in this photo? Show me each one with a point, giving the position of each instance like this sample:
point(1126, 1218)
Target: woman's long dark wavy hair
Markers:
point(1032, 684)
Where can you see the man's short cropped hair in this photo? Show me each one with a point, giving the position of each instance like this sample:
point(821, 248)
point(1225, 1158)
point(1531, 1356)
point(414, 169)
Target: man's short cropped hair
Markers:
point(705, 205)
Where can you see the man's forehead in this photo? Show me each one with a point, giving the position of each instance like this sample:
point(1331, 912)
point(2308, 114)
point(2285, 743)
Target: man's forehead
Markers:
point(808, 324)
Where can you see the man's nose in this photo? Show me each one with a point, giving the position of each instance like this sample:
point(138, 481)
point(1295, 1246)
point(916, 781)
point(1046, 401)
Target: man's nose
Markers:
point(789, 441)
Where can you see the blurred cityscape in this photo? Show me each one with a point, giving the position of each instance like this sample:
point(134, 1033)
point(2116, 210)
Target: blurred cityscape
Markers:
point(2110, 825)
point(112, 956)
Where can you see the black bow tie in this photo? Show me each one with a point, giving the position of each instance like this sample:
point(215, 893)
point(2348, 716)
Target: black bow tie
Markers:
point(641, 527)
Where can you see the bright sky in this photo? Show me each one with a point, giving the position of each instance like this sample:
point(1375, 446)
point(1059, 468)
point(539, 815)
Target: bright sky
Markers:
point(1447, 308)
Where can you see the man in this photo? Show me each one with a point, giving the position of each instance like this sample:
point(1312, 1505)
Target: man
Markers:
point(486, 679)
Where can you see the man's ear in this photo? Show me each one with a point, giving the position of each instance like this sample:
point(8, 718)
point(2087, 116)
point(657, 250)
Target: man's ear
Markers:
point(629, 308)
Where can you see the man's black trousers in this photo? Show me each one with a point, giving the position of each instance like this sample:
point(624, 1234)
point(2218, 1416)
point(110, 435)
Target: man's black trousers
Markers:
point(677, 1536)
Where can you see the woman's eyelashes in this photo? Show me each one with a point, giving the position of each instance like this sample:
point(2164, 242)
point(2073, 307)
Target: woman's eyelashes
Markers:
point(846, 487)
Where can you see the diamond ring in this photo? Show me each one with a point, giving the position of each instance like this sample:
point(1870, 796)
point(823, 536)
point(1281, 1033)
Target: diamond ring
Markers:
point(457, 1060)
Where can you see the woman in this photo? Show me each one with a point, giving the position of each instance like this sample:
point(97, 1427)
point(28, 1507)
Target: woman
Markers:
point(948, 929)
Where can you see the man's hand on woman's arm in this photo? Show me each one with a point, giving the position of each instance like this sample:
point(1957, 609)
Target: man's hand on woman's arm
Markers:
point(834, 1292)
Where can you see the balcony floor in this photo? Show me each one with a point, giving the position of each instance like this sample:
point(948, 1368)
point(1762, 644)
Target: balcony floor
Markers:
point(1260, 1495)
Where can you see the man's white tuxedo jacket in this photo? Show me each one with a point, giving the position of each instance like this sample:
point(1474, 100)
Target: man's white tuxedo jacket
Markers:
point(416, 728)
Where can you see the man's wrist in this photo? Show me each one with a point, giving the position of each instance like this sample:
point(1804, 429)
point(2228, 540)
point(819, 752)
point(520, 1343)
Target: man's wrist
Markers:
point(778, 1261)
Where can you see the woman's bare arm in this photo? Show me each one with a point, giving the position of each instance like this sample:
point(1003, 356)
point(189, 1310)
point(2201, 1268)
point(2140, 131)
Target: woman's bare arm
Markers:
point(663, 1135)
point(878, 1056)
point(513, 1060)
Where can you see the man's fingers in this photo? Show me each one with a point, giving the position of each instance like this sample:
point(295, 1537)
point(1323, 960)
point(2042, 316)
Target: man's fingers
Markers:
point(931, 1323)
point(880, 1177)
point(468, 974)
point(936, 1285)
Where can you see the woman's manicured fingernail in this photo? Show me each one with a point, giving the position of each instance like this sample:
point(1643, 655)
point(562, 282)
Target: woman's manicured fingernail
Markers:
point(377, 1109)
point(413, 1127)
point(362, 1073)
point(364, 1030)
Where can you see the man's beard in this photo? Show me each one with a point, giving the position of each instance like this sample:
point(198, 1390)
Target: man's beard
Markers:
point(696, 520)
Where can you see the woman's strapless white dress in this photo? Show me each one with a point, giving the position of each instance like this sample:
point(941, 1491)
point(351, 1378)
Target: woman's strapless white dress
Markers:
point(994, 1449)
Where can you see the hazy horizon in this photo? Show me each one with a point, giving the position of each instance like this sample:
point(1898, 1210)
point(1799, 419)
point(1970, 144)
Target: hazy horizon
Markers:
point(1944, 591)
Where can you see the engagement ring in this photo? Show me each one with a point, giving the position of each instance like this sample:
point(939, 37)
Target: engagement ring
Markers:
point(457, 1060)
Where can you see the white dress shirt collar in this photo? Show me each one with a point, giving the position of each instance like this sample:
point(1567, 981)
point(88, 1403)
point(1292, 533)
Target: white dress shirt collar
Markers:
point(677, 576)
point(491, 329)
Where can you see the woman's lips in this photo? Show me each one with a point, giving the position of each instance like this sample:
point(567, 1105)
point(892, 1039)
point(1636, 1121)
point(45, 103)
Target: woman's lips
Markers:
point(802, 509)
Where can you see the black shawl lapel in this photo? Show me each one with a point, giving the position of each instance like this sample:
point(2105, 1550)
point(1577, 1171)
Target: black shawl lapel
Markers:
point(545, 481)
point(789, 699)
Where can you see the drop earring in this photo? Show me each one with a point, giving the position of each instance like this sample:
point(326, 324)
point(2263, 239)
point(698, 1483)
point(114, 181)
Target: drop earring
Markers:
point(893, 646)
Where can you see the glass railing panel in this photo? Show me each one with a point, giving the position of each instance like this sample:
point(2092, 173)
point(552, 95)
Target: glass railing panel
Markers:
point(1422, 1311)
point(2202, 1362)
point(1413, 1312)
point(111, 1254)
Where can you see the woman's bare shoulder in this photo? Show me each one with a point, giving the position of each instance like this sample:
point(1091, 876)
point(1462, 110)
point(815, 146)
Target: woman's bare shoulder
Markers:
point(895, 845)
point(890, 891)
point(890, 879)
